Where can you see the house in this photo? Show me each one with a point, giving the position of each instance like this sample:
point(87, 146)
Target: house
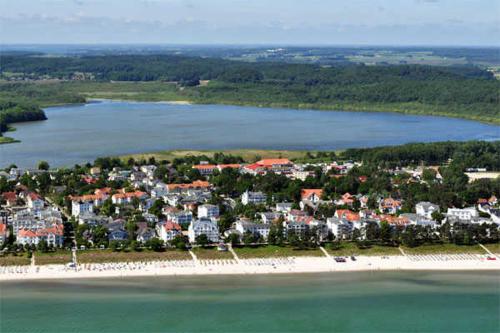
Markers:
point(79, 207)
point(181, 217)
point(4, 233)
point(347, 214)
point(10, 198)
point(340, 228)
point(302, 174)
point(269, 217)
point(258, 229)
point(426, 209)
point(390, 206)
point(465, 214)
point(253, 198)
point(93, 220)
point(208, 211)
point(395, 221)
point(197, 184)
point(284, 207)
point(203, 227)
point(312, 195)
point(54, 236)
point(277, 165)
point(127, 197)
point(416, 219)
point(205, 169)
point(295, 214)
point(145, 234)
point(168, 230)
point(117, 235)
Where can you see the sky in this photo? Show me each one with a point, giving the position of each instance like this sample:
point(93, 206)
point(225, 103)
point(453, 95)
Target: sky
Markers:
point(277, 22)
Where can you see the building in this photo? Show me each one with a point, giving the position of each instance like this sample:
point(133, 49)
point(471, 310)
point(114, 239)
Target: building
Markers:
point(269, 217)
point(168, 230)
point(3, 233)
point(127, 197)
point(312, 195)
point(340, 228)
point(54, 236)
point(208, 211)
point(284, 207)
point(79, 207)
point(203, 227)
point(426, 209)
point(465, 214)
point(181, 217)
point(34, 201)
point(390, 206)
point(255, 198)
point(257, 229)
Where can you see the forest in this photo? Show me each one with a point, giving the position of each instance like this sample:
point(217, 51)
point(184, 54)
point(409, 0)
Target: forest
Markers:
point(460, 91)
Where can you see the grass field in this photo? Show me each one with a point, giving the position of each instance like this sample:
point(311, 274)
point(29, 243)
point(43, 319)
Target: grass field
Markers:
point(58, 257)
point(6, 139)
point(495, 248)
point(11, 260)
point(444, 249)
point(100, 256)
point(274, 251)
point(211, 253)
point(349, 249)
point(249, 155)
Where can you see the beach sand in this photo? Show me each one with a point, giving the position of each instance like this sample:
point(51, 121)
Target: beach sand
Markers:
point(252, 266)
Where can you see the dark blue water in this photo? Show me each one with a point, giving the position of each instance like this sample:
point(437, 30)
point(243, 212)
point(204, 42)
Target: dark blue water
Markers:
point(76, 134)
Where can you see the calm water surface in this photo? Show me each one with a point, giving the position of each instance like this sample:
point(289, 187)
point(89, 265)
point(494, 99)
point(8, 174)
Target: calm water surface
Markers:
point(340, 302)
point(76, 134)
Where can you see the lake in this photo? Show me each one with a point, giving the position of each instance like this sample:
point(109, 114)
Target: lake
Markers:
point(78, 134)
point(335, 302)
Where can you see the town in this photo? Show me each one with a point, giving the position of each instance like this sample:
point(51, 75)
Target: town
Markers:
point(224, 201)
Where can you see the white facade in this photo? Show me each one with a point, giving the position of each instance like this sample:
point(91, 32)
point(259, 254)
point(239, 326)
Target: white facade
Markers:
point(203, 227)
point(463, 214)
point(208, 211)
point(81, 207)
point(342, 229)
point(253, 198)
point(426, 209)
point(259, 229)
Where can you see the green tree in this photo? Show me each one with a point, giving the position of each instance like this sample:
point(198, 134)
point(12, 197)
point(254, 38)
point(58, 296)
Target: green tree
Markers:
point(43, 165)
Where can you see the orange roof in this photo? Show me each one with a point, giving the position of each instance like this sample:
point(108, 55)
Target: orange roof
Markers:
point(233, 166)
point(104, 190)
point(136, 194)
point(87, 197)
point(395, 220)
point(172, 226)
point(3, 228)
point(269, 162)
point(307, 193)
point(33, 196)
point(204, 166)
point(26, 233)
point(347, 214)
point(195, 184)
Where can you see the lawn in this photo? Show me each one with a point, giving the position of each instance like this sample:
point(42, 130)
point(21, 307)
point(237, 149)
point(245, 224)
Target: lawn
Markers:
point(274, 251)
point(58, 257)
point(10, 260)
point(99, 256)
point(444, 249)
point(211, 253)
point(349, 249)
point(495, 248)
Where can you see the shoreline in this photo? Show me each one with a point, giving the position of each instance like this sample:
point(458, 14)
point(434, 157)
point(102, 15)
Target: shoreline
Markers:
point(261, 266)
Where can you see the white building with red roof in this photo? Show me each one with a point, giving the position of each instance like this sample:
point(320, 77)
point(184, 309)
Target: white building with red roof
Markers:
point(168, 231)
point(54, 236)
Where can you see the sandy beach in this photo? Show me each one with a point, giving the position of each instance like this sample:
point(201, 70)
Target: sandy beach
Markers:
point(251, 266)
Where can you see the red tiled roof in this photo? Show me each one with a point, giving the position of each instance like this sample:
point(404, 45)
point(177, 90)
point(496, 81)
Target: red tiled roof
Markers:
point(9, 196)
point(347, 214)
point(195, 184)
point(169, 225)
point(305, 194)
point(136, 194)
point(204, 166)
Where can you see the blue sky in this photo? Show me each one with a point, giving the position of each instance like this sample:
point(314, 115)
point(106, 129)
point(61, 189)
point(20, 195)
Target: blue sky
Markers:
point(325, 22)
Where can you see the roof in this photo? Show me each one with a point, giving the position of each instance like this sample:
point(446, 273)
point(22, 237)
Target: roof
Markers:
point(307, 193)
point(136, 194)
point(195, 184)
point(169, 225)
point(9, 196)
point(3, 228)
point(269, 162)
point(347, 214)
point(204, 166)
